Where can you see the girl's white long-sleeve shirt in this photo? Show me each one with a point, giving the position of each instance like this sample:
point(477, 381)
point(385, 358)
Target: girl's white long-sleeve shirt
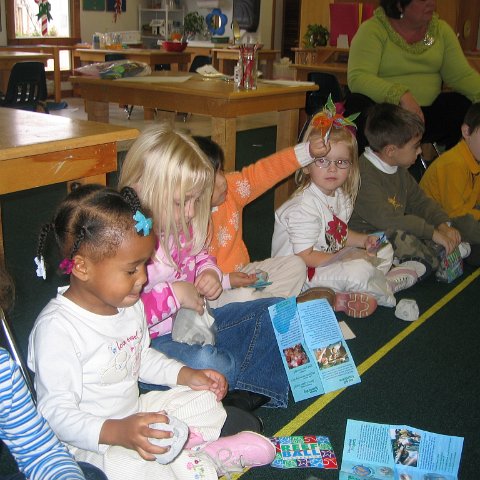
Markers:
point(87, 368)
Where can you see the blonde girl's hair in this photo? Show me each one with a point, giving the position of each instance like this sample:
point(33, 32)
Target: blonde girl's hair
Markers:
point(164, 162)
point(337, 134)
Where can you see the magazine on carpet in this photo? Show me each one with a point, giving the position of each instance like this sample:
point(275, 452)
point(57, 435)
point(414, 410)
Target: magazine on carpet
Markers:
point(313, 350)
point(388, 452)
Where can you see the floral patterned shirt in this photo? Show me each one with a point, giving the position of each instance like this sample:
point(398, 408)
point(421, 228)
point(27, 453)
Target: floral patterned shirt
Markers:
point(158, 296)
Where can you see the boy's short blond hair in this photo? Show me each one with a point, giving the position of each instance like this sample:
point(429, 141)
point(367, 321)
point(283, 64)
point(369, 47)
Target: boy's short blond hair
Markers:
point(389, 124)
point(163, 162)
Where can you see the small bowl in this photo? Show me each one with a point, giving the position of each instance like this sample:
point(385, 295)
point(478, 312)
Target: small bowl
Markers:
point(174, 46)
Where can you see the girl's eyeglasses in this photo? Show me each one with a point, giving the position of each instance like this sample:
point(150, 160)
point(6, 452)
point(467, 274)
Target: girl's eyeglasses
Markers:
point(322, 162)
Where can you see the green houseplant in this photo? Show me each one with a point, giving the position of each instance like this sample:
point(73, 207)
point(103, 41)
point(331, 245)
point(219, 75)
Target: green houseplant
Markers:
point(315, 36)
point(193, 24)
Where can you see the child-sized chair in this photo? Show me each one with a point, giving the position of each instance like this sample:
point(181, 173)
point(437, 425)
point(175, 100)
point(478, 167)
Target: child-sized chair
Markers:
point(27, 87)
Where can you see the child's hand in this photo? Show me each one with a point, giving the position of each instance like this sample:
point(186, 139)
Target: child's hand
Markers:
point(452, 233)
point(241, 279)
point(372, 242)
point(208, 284)
point(205, 379)
point(188, 296)
point(318, 148)
point(134, 431)
point(448, 239)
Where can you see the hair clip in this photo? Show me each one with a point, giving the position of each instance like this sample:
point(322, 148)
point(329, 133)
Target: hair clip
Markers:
point(143, 223)
point(66, 266)
point(40, 263)
point(329, 117)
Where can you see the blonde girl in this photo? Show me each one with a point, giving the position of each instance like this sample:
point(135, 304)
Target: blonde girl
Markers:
point(89, 347)
point(174, 179)
point(313, 225)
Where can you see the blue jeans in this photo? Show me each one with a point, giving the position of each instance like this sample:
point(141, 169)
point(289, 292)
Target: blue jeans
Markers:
point(90, 472)
point(246, 350)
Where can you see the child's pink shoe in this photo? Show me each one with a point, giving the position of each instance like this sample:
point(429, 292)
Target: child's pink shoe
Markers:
point(234, 453)
point(356, 305)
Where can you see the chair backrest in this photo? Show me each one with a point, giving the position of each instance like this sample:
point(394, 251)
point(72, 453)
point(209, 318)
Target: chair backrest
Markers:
point(27, 86)
point(327, 85)
point(199, 61)
point(8, 341)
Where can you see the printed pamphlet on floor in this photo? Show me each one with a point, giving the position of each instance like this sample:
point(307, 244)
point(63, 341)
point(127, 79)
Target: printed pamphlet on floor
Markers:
point(314, 353)
point(304, 451)
point(376, 451)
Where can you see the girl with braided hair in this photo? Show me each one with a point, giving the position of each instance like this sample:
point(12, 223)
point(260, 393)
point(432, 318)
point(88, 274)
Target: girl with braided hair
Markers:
point(90, 346)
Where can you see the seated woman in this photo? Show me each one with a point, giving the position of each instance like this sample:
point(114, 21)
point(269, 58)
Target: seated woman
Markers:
point(404, 55)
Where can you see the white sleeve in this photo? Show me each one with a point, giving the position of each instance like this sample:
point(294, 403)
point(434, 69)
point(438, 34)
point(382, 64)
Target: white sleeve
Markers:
point(58, 382)
point(304, 226)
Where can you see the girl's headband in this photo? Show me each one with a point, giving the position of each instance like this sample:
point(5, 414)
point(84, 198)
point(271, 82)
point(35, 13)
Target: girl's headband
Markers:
point(329, 117)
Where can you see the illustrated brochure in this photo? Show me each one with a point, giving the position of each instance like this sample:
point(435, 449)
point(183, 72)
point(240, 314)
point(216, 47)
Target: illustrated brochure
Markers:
point(314, 353)
point(390, 452)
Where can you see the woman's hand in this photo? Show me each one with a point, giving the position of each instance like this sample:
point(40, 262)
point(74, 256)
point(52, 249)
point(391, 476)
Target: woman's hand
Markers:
point(241, 279)
point(134, 431)
point(408, 102)
point(205, 379)
point(208, 284)
point(188, 296)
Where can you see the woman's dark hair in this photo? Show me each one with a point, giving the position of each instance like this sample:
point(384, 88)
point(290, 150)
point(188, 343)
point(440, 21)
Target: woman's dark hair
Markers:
point(93, 218)
point(472, 117)
point(394, 8)
point(212, 150)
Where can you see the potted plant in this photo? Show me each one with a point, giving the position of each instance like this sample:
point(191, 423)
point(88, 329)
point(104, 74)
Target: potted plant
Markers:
point(315, 36)
point(193, 24)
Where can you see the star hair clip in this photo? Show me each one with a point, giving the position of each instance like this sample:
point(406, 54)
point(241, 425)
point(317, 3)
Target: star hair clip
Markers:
point(328, 118)
point(143, 223)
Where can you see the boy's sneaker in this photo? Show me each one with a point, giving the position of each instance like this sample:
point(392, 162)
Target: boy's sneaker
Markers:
point(243, 450)
point(356, 305)
point(419, 267)
point(401, 278)
point(465, 249)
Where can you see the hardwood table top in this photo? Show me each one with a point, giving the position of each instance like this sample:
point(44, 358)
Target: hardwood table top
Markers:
point(28, 133)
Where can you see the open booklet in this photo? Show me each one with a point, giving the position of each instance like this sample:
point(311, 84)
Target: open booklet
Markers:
point(314, 353)
point(391, 452)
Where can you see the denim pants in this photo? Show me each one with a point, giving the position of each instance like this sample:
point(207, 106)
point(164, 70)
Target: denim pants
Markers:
point(90, 472)
point(246, 350)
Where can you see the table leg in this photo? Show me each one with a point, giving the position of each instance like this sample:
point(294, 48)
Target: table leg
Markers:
point(224, 132)
point(148, 113)
point(97, 111)
point(287, 129)
point(57, 75)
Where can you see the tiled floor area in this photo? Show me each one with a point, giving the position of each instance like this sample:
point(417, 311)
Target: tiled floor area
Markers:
point(194, 124)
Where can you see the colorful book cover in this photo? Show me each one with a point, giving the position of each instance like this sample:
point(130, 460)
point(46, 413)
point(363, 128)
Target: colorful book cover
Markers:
point(308, 451)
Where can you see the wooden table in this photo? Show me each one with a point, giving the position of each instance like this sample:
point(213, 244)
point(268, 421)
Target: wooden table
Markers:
point(152, 56)
point(38, 149)
point(10, 58)
point(54, 51)
point(212, 97)
point(338, 69)
point(224, 59)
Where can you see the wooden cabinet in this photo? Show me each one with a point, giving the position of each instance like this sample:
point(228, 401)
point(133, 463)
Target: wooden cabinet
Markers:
point(461, 15)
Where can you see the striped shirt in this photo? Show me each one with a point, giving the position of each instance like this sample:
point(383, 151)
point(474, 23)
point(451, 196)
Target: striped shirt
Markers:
point(39, 454)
